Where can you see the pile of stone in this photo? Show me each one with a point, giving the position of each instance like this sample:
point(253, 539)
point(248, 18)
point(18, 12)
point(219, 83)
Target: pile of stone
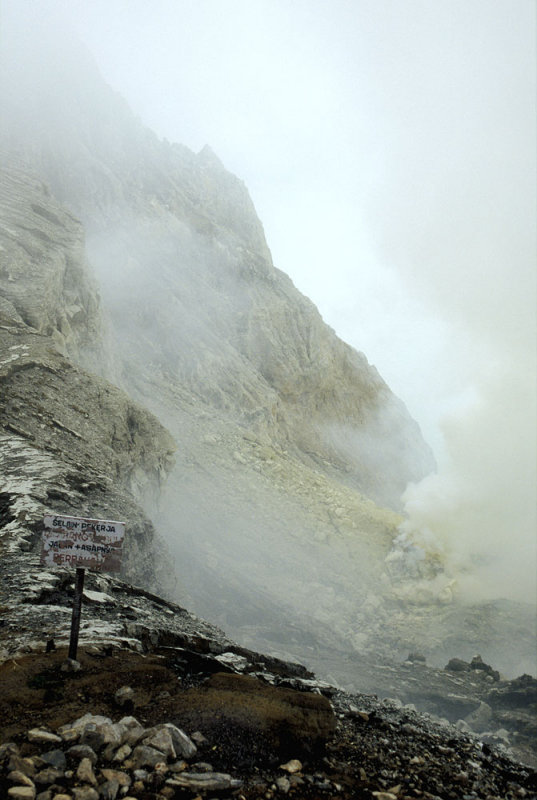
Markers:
point(94, 758)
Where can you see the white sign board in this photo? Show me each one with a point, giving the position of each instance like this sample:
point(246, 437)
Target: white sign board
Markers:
point(80, 542)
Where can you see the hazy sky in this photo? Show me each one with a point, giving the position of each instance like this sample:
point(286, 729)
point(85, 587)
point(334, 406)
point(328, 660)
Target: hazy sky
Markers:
point(388, 146)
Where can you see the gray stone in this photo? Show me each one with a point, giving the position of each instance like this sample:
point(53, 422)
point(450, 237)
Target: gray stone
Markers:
point(98, 735)
point(71, 665)
point(85, 772)
point(8, 749)
point(79, 751)
point(21, 793)
point(20, 778)
point(109, 790)
point(85, 793)
point(40, 736)
point(201, 766)
point(48, 776)
point(144, 756)
point(56, 758)
point(133, 732)
point(183, 745)
point(122, 778)
point(160, 738)
point(73, 730)
point(124, 695)
point(122, 753)
point(206, 781)
point(23, 765)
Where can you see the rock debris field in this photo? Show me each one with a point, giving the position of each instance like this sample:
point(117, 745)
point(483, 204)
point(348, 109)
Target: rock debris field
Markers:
point(119, 724)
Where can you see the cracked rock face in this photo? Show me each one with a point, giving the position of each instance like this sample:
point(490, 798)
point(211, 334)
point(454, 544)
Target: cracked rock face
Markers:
point(70, 442)
point(44, 279)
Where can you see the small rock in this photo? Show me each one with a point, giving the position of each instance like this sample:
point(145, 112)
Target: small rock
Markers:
point(122, 753)
point(202, 766)
point(61, 797)
point(79, 751)
point(21, 793)
point(40, 736)
point(206, 781)
point(197, 737)
point(292, 766)
point(24, 765)
point(98, 735)
point(144, 756)
point(178, 766)
point(133, 732)
point(73, 730)
point(20, 778)
point(56, 758)
point(71, 665)
point(85, 772)
point(116, 775)
point(48, 776)
point(183, 745)
point(457, 665)
point(124, 696)
point(283, 784)
point(85, 793)
point(8, 749)
point(161, 739)
point(109, 790)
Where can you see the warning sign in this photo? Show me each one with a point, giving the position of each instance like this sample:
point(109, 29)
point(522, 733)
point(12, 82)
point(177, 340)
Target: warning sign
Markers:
point(79, 542)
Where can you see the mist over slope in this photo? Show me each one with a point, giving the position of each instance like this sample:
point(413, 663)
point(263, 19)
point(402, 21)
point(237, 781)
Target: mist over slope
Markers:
point(292, 452)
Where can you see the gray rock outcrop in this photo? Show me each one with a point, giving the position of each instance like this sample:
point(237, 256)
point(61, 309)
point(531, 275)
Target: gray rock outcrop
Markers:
point(70, 442)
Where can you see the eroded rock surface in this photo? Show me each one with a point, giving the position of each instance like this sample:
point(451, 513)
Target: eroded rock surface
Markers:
point(70, 441)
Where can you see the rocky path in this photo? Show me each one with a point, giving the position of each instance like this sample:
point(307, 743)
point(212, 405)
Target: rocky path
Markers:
point(119, 724)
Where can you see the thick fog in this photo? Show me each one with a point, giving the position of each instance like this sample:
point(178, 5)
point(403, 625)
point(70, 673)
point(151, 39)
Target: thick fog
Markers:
point(389, 148)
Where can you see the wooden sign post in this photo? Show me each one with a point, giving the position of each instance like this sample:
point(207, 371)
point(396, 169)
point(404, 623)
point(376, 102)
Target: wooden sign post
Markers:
point(83, 543)
point(77, 612)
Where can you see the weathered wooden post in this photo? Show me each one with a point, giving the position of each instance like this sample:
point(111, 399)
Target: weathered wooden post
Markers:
point(77, 611)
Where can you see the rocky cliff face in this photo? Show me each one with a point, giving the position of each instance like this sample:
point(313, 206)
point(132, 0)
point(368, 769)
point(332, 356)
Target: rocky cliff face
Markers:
point(291, 452)
point(70, 441)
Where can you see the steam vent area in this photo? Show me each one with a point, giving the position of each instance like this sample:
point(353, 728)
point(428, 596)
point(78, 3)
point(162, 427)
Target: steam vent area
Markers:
point(228, 567)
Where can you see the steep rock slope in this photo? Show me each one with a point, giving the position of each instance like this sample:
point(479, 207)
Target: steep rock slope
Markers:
point(291, 450)
point(70, 441)
point(195, 299)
